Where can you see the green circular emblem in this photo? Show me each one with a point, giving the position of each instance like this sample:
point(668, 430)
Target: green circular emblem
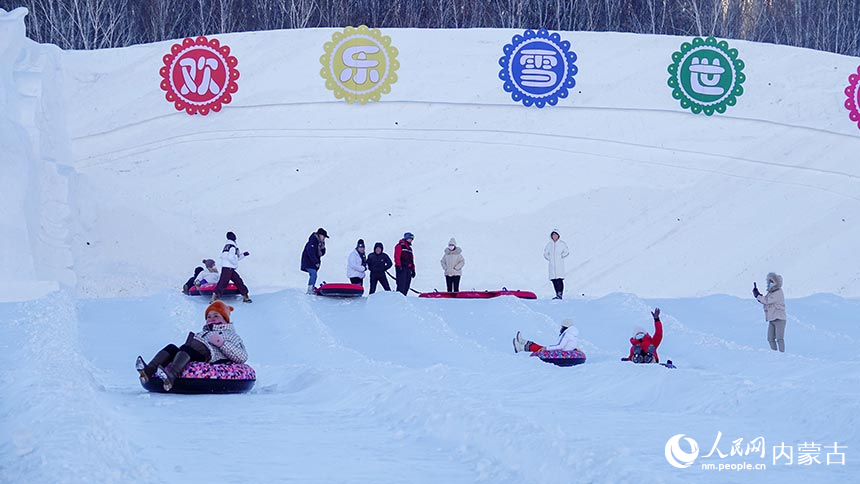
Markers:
point(706, 76)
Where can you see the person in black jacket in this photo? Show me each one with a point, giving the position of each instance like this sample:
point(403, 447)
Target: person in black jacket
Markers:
point(378, 262)
point(190, 282)
point(312, 256)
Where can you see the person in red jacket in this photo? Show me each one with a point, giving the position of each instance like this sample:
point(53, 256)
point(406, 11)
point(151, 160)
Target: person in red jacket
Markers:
point(643, 346)
point(404, 263)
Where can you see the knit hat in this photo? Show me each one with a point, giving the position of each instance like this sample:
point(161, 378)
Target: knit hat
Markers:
point(321, 231)
point(220, 308)
point(231, 236)
point(378, 244)
point(408, 235)
point(360, 244)
point(452, 242)
point(208, 262)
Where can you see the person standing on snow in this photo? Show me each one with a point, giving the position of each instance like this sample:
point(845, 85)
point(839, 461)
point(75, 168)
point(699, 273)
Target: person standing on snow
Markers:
point(378, 262)
point(217, 342)
point(452, 264)
point(312, 256)
point(774, 310)
point(555, 252)
point(643, 346)
point(567, 340)
point(356, 264)
point(404, 263)
point(230, 257)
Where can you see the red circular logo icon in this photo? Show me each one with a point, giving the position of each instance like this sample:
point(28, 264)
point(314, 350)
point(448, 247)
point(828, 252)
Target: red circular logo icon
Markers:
point(199, 75)
point(852, 104)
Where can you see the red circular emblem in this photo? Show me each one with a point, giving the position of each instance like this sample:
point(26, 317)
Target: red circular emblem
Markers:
point(199, 75)
point(852, 104)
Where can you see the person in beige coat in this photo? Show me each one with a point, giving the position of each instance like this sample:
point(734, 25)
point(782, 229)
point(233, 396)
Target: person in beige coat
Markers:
point(774, 310)
point(452, 263)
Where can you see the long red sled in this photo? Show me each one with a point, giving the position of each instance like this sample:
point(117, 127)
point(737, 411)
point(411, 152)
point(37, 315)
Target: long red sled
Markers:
point(336, 289)
point(478, 294)
point(208, 289)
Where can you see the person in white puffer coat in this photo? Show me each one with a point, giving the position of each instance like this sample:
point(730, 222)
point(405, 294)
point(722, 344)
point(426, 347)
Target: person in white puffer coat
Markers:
point(356, 264)
point(452, 264)
point(774, 310)
point(568, 340)
point(555, 252)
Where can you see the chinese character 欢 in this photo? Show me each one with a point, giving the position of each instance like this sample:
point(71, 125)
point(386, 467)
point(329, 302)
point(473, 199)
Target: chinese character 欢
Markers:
point(190, 68)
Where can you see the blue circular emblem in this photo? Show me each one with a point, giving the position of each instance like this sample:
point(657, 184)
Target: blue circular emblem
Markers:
point(538, 68)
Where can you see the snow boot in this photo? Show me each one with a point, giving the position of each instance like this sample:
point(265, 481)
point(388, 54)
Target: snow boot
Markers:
point(519, 344)
point(310, 290)
point(214, 298)
point(246, 299)
point(140, 366)
point(147, 370)
point(649, 356)
point(169, 376)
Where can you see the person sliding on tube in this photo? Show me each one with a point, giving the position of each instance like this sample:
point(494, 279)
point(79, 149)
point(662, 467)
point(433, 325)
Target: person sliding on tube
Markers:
point(643, 346)
point(218, 342)
point(567, 340)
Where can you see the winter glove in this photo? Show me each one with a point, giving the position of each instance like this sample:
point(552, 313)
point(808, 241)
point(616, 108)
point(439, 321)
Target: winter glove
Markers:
point(246, 254)
point(317, 265)
point(625, 359)
point(413, 273)
point(656, 314)
point(216, 339)
point(756, 292)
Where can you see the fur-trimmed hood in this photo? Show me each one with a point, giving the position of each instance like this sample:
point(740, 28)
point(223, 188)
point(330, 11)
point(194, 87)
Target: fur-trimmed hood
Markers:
point(777, 281)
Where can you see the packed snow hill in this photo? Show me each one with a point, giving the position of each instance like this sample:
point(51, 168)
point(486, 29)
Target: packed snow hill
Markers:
point(113, 197)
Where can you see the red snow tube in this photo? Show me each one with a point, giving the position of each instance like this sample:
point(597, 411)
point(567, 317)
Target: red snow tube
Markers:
point(478, 294)
point(201, 377)
point(208, 289)
point(561, 357)
point(338, 289)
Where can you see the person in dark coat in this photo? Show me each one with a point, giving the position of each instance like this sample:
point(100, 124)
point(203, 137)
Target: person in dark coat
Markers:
point(404, 263)
point(377, 263)
point(190, 282)
point(312, 256)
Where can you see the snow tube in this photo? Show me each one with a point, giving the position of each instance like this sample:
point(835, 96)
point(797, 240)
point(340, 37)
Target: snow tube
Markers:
point(560, 357)
point(478, 294)
point(208, 378)
point(337, 289)
point(208, 289)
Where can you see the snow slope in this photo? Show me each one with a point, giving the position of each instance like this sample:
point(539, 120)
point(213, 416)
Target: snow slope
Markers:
point(118, 197)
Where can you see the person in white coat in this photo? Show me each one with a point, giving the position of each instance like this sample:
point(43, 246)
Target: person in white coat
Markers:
point(774, 310)
point(555, 252)
point(211, 275)
point(356, 264)
point(230, 257)
point(452, 264)
point(568, 340)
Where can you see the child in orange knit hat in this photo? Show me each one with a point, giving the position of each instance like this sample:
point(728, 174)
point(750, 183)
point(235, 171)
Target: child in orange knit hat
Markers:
point(218, 342)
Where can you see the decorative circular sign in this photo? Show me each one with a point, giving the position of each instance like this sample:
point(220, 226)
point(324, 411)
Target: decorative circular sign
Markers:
point(538, 68)
point(199, 75)
point(359, 64)
point(853, 93)
point(706, 76)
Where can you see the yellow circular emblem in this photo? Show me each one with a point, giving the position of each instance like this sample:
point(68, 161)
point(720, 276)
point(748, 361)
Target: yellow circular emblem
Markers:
point(359, 64)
